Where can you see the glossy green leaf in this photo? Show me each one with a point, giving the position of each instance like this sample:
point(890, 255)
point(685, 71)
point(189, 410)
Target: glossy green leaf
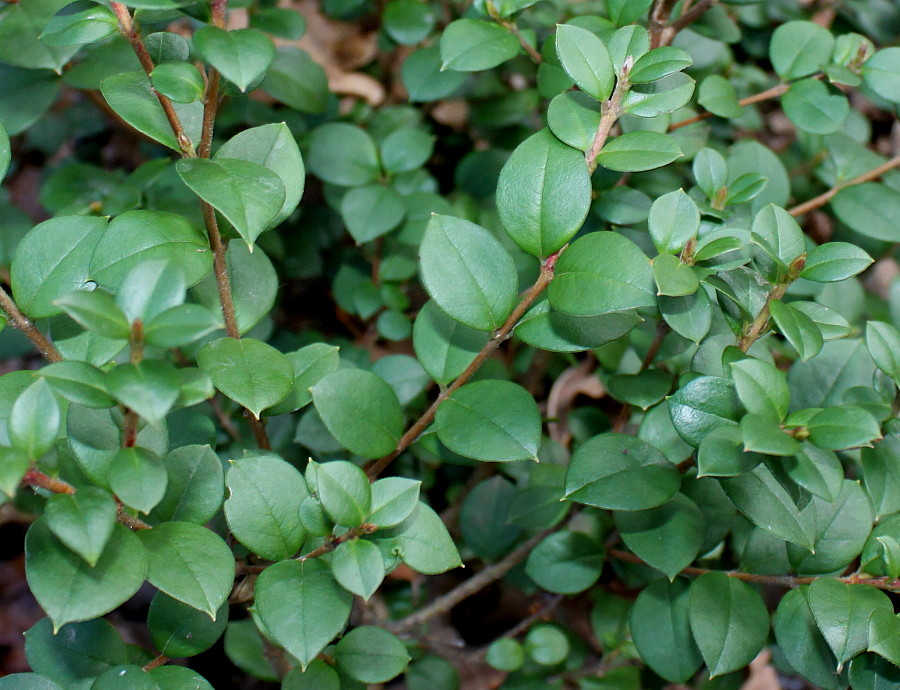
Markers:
point(248, 194)
point(422, 542)
point(799, 48)
point(360, 410)
point(722, 453)
point(407, 21)
point(761, 388)
point(673, 277)
point(467, 272)
point(189, 563)
point(674, 219)
point(371, 655)
point(342, 154)
point(14, 463)
point(661, 630)
point(472, 45)
point(261, 509)
point(149, 388)
point(667, 537)
point(600, 273)
point(343, 490)
point(620, 472)
point(248, 371)
point(83, 521)
point(490, 421)
point(842, 427)
point(718, 96)
point(813, 108)
point(179, 630)
point(358, 567)
point(659, 63)
point(543, 194)
point(130, 95)
point(371, 211)
point(69, 589)
point(52, 260)
point(799, 330)
point(97, 312)
point(803, 645)
point(884, 628)
point(424, 79)
point(297, 80)
point(302, 606)
point(137, 477)
point(881, 75)
point(565, 563)
point(870, 208)
point(310, 364)
point(34, 419)
point(178, 81)
point(393, 500)
point(883, 343)
point(585, 58)
point(20, 42)
point(638, 151)
point(242, 56)
point(835, 261)
point(703, 405)
point(444, 346)
point(729, 621)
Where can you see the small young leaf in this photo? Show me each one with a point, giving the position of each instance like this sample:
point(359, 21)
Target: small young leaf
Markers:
point(358, 567)
point(472, 45)
point(149, 388)
point(638, 151)
point(344, 492)
point(585, 58)
point(34, 419)
point(138, 478)
point(371, 655)
point(242, 56)
point(83, 521)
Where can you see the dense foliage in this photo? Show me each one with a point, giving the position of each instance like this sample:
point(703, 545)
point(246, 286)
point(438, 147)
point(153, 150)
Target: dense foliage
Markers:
point(646, 244)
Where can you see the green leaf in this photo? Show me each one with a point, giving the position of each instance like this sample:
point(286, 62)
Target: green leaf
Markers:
point(371, 211)
point(817, 470)
point(565, 563)
point(97, 312)
point(781, 232)
point(494, 421)
point(842, 612)
point(835, 261)
point(167, 46)
point(674, 219)
point(149, 289)
point(360, 410)
point(661, 630)
point(803, 645)
point(78, 24)
point(189, 563)
point(543, 194)
point(761, 388)
point(14, 464)
point(78, 382)
point(467, 272)
point(763, 434)
point(195, 489)
point(600, 273)
point(310, 364)
point(261, 509)
point(34, 419)
point(800, 48)
point(843, 427)
point(585, 58)
point(130, 95)
point(703, 405)
point(444, 346)
point(660, 97)
point(241, 56)
point(126, 675)
point(881, 74)
point(799, 330)
point(472, 45)
point(883, 343)
point(644, 389)
point(179, 630)
point(423, 78)
point(136, 236)
point(620, 472)
point(274, 147)
point(884, 633)
point(573, 117)
point(20, 42)
point(407, 21)
point(181, 325)
point(393, 500)
point(302, 606)
point(422, 542)
point(814, 108)
point(52, 261)
point(659, 63)
point(343, 154)
point(717, 95)
point(871, 209)
point(138, 478)
point(505, 654)
point(638, 151)
point(547, 644)
point(248, 371)
point(406, 149)
point(768, 505)
point(371, 655)
point(729, 621)
point(244, 648)
point(343, 490)
point(667, 537)
point(722, 454)
point(249, 195)
point(5, 152)
point(358, 567)
point(149, 388)
point(69, 589)
point(830, 323)
point(317, 676)
point(178, 81)
point(27, 681)
point(83, 521)
point(673, 277)
point(84, 650)
point(296, 80)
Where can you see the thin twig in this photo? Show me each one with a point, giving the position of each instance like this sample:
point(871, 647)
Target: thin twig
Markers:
point(790, 581)
point(156, 663)
point(543, 280)
point(21, 322)
point(757, 327)
point(659, 20)
point(610, 111)
point(330, 544)
point(473, 585)
point(825, 197)
point(692, 15)
point(128, 30)
point(513, 28)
